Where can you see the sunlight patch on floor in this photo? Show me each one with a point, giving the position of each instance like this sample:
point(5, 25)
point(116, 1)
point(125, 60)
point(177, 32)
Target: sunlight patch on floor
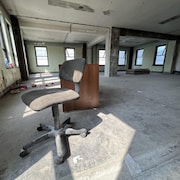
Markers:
point(41, 168)
point(28, 112)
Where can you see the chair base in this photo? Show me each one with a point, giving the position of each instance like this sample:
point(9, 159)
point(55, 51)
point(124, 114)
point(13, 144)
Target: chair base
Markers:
point(60, 136)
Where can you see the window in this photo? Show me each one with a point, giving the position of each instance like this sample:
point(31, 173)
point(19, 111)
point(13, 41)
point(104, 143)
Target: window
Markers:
point(122, 58)
point(139, 57)
point(12, 44)
point(102, 57)
point(69, 53)
point(5, 55)
point(5, 43)
point(41, 56)
point(160, 55)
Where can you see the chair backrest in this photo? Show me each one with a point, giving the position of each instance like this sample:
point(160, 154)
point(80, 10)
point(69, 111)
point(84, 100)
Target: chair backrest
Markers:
point(73, 70)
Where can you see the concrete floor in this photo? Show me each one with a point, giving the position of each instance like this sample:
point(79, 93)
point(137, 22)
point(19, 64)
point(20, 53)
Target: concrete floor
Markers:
point(135, 133)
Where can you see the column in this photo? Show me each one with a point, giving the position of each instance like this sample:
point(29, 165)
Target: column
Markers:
point(114, 54)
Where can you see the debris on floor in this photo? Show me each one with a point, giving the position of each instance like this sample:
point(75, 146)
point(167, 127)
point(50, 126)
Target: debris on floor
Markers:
point(17, 89)
point(33, 85)
point(20, 87)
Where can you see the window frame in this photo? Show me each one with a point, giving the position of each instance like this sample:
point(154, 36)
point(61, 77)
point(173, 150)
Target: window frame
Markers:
point(71, 58)
point(125, 58)
point(155, 55)
point(41, 56)
point(3, 46)
point(12, 44)
point(5, 43)
point(103, 64)
point(137, 57)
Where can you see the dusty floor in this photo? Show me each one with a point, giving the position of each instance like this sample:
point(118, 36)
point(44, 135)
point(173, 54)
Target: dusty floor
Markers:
point(135, 133)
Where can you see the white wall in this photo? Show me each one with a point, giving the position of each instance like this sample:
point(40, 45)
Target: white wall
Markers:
point(177, 66)
point(56, 55)
point(149, 54)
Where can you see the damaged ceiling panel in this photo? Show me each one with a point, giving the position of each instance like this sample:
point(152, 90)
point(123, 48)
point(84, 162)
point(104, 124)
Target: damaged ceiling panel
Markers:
point(72, 5)
point(75, 21)
point(173, 18)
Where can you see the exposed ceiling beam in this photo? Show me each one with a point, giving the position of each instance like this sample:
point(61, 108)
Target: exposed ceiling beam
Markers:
point(47, 27)
point(96, 41)
point(66, 27)
point(147, 34)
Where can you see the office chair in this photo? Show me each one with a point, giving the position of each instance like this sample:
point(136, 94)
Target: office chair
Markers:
point(41, 99)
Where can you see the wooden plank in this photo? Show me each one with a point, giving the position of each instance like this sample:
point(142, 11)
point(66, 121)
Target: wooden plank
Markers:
point(138, 71)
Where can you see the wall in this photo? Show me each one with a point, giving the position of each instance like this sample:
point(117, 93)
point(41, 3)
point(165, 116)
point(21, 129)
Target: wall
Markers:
point(11, 75)
point(148, 57)
point(149, 54)
point(177, 65)
point(56, 55)
point(169, 56)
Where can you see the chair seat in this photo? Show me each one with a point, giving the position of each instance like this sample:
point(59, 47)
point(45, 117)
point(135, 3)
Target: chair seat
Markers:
point(43, 98)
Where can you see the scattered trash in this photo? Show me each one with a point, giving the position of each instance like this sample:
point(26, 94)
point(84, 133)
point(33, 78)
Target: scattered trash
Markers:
point(41, 85)
point(77, 158)
point(20, 87)
point(140, 91)
point(33, 85)
point(17, 88)
point(14, 91)
point(23, 88)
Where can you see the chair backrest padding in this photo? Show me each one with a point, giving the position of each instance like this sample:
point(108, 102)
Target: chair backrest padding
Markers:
point(72, 70)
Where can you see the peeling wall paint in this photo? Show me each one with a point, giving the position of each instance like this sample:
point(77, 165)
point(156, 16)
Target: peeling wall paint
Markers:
point(8, 76)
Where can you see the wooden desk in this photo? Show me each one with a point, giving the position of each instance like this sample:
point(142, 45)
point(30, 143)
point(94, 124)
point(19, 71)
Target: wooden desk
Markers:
point(89, 90)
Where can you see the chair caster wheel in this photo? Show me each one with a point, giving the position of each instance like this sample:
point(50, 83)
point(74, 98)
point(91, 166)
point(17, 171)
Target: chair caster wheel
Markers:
point(84, 134)
point(59, 160)
point(23, 153)
point(39, 128)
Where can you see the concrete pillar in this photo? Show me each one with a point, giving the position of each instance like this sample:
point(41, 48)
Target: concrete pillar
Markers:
point(114, 54)
point(94, 55)
point(130, 58)
point(175, 56)
point(84, 51)
point(20, 48)
point(108, 50)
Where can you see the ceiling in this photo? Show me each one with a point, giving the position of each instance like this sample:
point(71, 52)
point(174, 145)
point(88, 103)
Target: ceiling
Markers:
point(87, 21)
